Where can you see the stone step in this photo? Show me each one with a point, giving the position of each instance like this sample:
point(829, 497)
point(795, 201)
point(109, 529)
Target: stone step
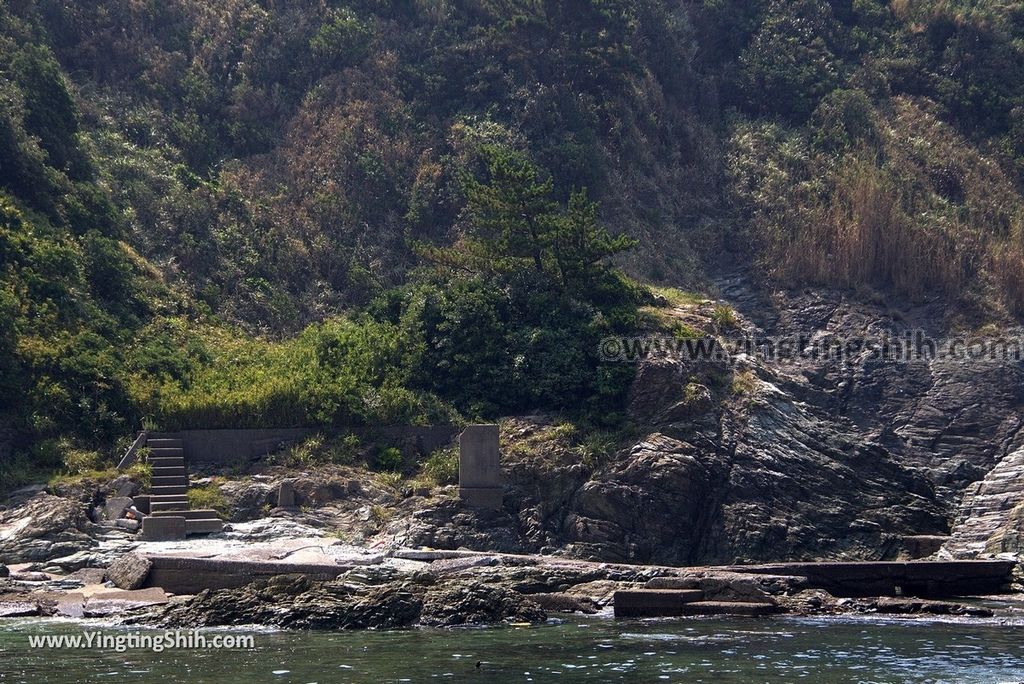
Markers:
point(654, 602)
point(157, 506)
point(730, 608)
point(166, 499)
point(170, 490)
point(167, 462)
point(164, 451)
point(203, 526)
point(194, 514)
point(159, 471)
point(162, 443)
point(169, 480)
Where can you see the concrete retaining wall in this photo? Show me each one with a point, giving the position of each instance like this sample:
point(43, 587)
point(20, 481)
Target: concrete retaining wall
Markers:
point(412, 440)
point(185, 575)
point(225, 447)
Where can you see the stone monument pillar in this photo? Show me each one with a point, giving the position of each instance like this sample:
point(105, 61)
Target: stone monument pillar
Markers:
point(480, 467)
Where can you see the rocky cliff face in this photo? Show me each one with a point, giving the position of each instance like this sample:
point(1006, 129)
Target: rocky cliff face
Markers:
point(767, 459)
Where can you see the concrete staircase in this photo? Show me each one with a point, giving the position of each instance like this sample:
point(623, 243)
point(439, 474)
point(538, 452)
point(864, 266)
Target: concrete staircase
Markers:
point(169, 488)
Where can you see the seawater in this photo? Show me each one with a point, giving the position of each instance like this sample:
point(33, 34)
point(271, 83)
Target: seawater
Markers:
point(591, 649)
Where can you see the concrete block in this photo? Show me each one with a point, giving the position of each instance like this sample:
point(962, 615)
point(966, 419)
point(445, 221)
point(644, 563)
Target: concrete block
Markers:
point(479, 462)
point(481, 497)
point(142, 503)
point(204, 526)
point(654, 602)
point(286, 494)
point(163, 528)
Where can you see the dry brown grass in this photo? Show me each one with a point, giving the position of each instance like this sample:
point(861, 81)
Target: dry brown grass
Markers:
point(922, 214)
point(1007, 266)
point(865, 235)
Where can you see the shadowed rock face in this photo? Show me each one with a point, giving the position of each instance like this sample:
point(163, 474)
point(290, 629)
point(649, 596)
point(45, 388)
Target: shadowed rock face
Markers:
point(954, 420)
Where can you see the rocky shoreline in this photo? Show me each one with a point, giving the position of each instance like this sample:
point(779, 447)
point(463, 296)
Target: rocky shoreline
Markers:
point(398, 592)
point(63, 563)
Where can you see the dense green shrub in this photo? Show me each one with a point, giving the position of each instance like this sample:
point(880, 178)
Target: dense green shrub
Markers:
point(790, 64)
point(442, 466)
point(844, 119)
point(50, 111)
point(389, 460)
point(342, 40)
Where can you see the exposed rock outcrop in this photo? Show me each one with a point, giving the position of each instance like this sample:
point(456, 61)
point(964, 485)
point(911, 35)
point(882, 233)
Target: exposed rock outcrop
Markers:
point(293, 602)
point(43, 528)
point(991, 519)
point(758, 460)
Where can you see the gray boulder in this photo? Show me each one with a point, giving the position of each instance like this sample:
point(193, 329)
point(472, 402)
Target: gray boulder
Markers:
point(115, 507)
point(130, 571)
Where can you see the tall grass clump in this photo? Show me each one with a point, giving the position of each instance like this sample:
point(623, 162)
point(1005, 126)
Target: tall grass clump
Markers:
point(866, 234)
point(914, 210)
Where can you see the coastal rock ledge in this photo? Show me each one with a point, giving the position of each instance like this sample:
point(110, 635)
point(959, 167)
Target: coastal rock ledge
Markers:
point(293, 602)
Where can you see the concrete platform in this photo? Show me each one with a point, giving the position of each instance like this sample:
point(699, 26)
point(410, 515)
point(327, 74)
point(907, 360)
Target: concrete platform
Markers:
point(190, 566)
point(925, 579)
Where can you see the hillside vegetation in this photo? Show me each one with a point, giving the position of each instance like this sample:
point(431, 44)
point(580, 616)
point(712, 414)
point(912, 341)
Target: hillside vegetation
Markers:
point(328, 213)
